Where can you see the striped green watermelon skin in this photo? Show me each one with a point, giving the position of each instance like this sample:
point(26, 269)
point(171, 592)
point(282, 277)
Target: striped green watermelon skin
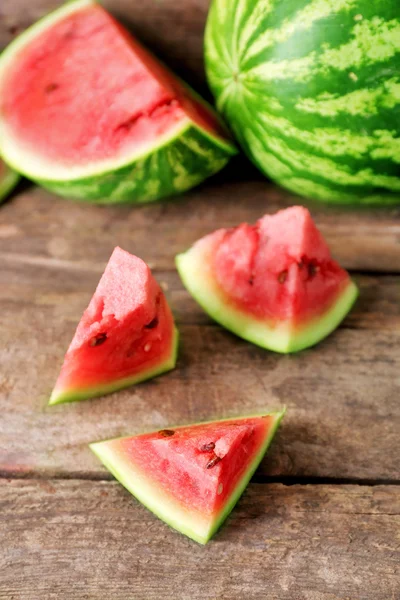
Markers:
point(180, 164)
point(311, 89)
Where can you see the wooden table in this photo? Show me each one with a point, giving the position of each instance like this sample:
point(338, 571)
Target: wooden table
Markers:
point(320, 520)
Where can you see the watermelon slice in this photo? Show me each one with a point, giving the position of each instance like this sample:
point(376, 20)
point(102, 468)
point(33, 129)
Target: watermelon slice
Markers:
point(87, 112)
point(8, 180)
point(191, 477)
point(126, 334)
point(274, 283)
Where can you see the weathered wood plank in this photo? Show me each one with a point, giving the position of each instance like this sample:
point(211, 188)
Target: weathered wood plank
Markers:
point(67, 285)
point(80, 539)
point(342, 396)
point(37, 224)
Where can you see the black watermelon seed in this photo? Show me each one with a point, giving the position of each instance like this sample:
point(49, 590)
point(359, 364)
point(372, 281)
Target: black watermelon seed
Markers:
point(52, 87)
point(207, 447)
point(152, 323)
point(312, 270)
point(282, 276)
point(214, 461)
point(166, 432)
point(98, 339)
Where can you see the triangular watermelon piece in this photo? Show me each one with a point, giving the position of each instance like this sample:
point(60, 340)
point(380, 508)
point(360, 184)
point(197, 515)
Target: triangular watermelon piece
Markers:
point(126, 334)
point(274, 283)
point(89, 113)
point(191, 477)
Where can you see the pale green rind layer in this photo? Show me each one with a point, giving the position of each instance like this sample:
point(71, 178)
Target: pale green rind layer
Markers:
point(182, 162)
point(8, 181)
point(194, 270)
point(59, 396)
point(311, 90)
point(246, 478)
point(167, 509)
point(181, 159)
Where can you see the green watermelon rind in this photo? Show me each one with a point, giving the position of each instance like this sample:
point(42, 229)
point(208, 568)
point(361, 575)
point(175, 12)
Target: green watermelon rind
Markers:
point(311, 92)
point(171, 512)
point(7, 183)
point(195, 273)
point(178, 161)
point(72, 395)
point(135, 181)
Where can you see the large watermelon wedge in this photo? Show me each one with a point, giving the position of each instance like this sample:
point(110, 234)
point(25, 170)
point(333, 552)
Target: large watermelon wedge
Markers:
point(87, 112)
point(8, 180)
point(274, 283)
point(311, 88)
point(191, 477)
point(126, 334)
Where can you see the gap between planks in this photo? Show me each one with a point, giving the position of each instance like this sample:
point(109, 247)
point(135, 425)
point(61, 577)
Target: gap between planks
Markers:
point(69, 265)
point(259, 479)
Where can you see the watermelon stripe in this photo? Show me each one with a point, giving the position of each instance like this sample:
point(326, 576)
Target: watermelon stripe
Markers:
point(276, 16)
point(373, 41)
point(330, 141)
point(176, 167)
point(303, 20)
point(280, 167)
point(277, 158)
point(385, 111)
point(237, 13)
point(364, 102)
point(252, 23)
point(330, 31)
point(327, 169)
point(315, 99)
point(221, 45)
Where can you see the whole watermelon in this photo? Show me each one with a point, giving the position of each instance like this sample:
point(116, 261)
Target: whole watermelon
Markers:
point(311, 88)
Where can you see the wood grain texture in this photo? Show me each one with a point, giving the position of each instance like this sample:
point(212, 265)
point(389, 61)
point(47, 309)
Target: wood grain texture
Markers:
point(37, 224)
point(80, 539)
point(342, 396)
point(32, 280)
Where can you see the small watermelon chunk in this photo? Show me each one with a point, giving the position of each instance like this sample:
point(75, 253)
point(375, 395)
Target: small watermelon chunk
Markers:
point(89, 113)
point(273, 283)
point(126, 334)
point(8, 180)
point(191, 477)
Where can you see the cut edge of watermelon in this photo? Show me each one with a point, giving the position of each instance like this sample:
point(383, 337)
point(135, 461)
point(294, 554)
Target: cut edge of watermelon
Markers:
point(7, 182)
point(61, 396)
point(36, 168)
point(284, 338)
point(165, 508)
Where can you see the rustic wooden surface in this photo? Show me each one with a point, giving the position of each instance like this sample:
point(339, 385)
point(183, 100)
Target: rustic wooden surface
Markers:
point(85, 539)
point(67, 530)
point(335, 393)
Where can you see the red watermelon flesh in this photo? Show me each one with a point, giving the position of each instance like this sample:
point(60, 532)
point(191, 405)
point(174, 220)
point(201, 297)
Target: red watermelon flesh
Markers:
point(274, 283)
point(126, 334)
point(279, 268)
point(191, 476)
point(56, 111)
